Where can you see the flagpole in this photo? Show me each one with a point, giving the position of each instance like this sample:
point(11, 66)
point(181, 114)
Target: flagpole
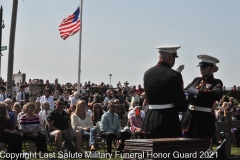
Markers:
point(80, 44)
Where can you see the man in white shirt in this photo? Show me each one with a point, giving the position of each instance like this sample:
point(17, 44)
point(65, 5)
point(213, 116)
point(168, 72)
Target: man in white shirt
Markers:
point(47, 98)
point(21, 96)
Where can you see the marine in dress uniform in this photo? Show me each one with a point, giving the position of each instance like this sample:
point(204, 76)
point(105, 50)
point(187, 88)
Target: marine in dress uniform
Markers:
point(164, 92)
point(199, 120)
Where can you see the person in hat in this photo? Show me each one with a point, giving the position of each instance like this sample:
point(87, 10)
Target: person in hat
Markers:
point(127, 88)
point(201, 93)
point(164, 92)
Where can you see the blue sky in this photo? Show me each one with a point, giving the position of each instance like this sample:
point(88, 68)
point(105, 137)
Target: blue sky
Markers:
point(119, 38)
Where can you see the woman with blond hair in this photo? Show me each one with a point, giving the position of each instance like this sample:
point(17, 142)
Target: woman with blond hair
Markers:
point(80, 120)
point(17, 107)
point(45, 112)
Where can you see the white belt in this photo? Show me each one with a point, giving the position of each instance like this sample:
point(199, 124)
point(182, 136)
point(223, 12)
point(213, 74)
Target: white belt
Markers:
point(197, 108)
point(161, 106)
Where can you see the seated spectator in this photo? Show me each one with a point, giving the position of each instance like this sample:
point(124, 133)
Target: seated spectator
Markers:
point(60, 127)
point(82, 121)
point(31, 126)
point(73, 100)
point(8, 134)
point(110, 127)
point(45, 112)
point(231, 102)
point(11, 113)
point(96, 113)
point(136, 122)
point(71, 110)
point(47, 97)
point(37, 109)
point(17, 107)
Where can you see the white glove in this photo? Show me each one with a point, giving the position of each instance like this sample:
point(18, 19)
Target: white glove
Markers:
point(180, 68)
point(193, 90)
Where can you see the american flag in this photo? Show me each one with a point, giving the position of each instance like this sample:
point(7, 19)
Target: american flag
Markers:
point(70, 25)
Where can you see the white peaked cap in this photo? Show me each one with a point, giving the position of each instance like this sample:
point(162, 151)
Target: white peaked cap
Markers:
point(171, 49)
point(208, 59)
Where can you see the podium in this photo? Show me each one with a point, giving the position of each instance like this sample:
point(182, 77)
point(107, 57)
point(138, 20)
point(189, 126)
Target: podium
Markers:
point(166, 148)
